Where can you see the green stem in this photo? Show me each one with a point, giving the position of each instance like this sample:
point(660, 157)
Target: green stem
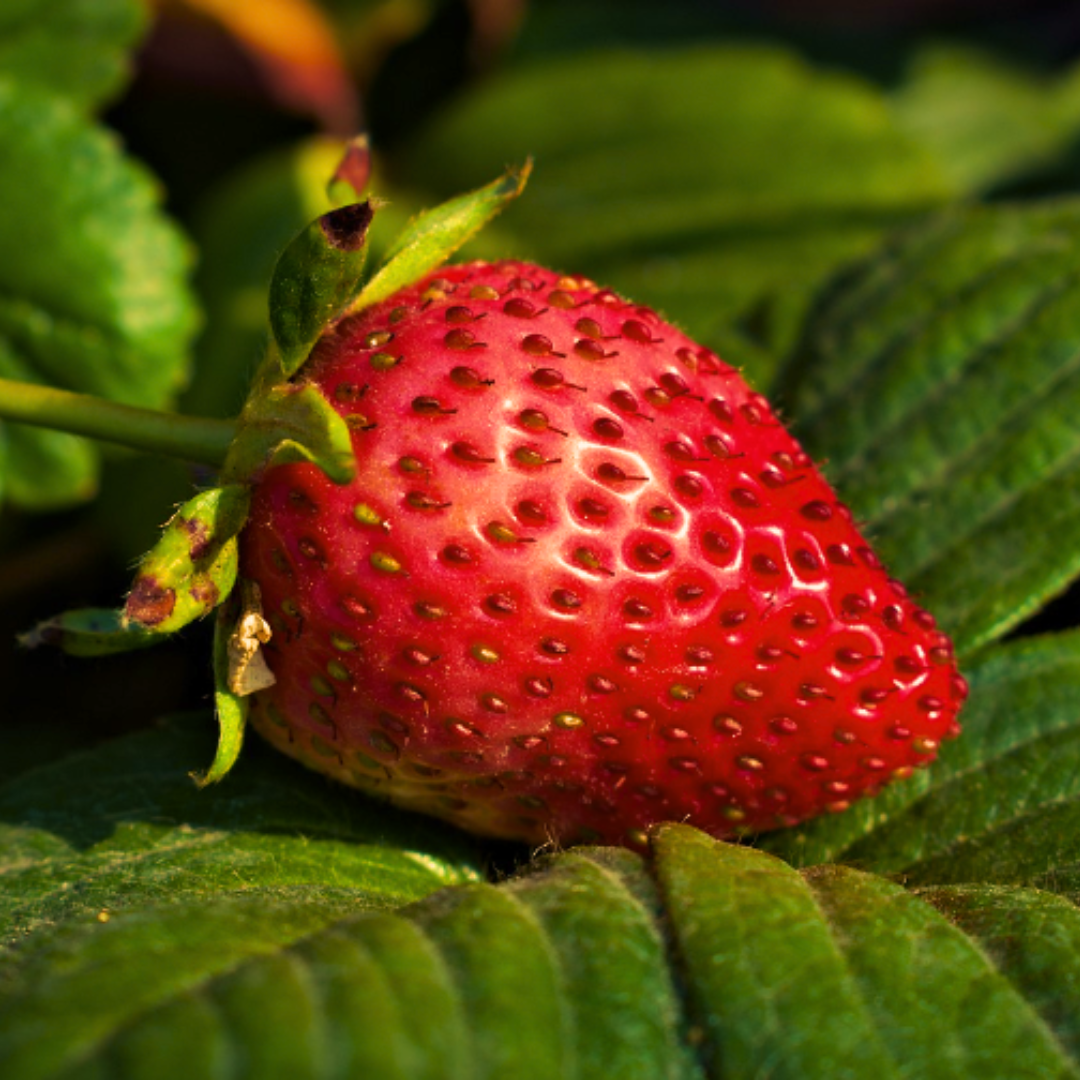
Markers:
point(187, 437)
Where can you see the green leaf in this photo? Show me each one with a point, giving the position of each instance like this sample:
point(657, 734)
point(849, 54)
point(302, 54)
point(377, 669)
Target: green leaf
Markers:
point(124, 825)
point(836, 973)
point(537, 978)
point(316, 278)
point(1033, 938)
point(712, 960)
point(601, 915)
point(78, 49)
point(753, 939)
point(96, 299)
point(945, 374)
point(241, 228)
point(230, 707)
point(88, 632)
point(291, 423)
point(985, 119)
point(1002, 802)
point(193, 567)
point(433, 236)
point(698, 180)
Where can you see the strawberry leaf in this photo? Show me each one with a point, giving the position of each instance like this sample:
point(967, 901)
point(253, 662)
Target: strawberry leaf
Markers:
point(657, 177)
point(96, 300)
point(193, 567)
point(230, 707)
point(710, 959)
point(88, 632)
point(124, 825)
point(77, 49)
point(944, 373)
point(816, 975)
point(290, 423)
point(1032, 938)
point(316, 278)
point(433, 236)
point(1001, 802)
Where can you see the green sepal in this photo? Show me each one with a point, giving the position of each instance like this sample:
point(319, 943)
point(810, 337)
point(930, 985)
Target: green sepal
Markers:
point(193, 567)
point(89, 632)
point(315, 279)
point(231, 708)
point(433, 236)
point(290, 423)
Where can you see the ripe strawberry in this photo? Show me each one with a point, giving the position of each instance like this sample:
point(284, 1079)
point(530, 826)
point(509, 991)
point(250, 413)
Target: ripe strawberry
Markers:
point(583, 581)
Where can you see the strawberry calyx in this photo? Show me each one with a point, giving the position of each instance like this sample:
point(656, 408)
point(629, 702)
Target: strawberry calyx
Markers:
point(193, 568)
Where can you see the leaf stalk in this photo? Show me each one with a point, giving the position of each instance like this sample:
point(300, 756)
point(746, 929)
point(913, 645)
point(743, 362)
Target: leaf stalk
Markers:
point(189, 438)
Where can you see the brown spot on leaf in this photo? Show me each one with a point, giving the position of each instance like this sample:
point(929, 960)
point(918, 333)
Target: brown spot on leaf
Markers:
point(205, 592)
point(199, 538)
point(149, 603)
point(346, 228)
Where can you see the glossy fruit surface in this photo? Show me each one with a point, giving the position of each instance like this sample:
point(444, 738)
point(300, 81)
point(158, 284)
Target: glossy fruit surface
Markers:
point(584, 580)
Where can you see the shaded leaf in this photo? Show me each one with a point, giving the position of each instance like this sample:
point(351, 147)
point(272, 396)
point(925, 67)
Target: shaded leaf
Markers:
point(600, 915)
point(77, 49)
point(88, 632)
point(770, 988)
point(96, 300)
point(659, 173)
point(837, 974)
point(531, 979)
point(1001, 801)
point(124, 825)
point(722, 962)
point(1033, 938)
point(941, 381)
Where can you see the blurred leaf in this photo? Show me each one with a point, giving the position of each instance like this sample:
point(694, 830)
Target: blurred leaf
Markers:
point(42, 469)
point(124, 824)
point(368, 30)
point(95, 299)
point(1001, 804)
point(292, 46)
point(984, 119)
point(944, 376)
point(697, 180)
point(77, 49)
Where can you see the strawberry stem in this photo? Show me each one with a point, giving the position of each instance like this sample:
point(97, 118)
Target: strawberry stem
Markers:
point(186, 437)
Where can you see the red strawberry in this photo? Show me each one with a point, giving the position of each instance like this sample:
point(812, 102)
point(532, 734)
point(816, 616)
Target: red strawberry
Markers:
point(583, 581)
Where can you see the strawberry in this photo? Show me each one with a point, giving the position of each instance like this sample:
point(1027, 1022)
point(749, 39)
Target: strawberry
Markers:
point(583, 581)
